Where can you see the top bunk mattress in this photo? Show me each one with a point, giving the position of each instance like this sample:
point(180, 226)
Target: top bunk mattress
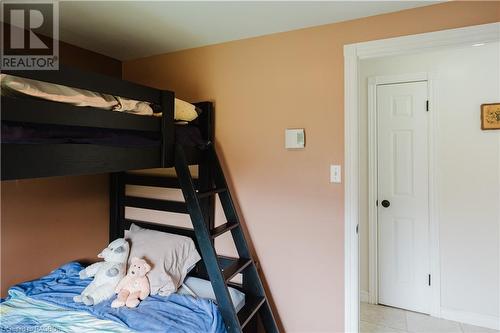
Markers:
point(21, 87)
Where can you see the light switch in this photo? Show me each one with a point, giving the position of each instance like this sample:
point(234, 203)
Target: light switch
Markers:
point(335, 174)
point(294, 138)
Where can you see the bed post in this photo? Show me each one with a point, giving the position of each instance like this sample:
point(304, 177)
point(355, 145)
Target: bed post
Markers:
point(168, 128)
point(206, 120)
point(116, 207)
point(205, 123)
point(205, 168)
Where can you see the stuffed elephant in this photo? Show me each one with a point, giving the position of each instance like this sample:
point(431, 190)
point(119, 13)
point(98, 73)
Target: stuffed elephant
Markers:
point(107, 274)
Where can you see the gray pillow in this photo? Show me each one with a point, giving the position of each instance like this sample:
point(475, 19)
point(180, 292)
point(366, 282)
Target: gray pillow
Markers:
point(171, 257)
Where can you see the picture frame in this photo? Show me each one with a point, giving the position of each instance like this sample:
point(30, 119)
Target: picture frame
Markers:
point(490, 116)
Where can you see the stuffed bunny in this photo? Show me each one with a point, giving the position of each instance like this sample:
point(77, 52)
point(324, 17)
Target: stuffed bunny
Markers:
point(134, 286)
point(107, 274)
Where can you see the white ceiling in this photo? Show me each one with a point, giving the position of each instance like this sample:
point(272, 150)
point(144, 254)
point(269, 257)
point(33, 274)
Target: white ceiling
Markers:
point(133, 29)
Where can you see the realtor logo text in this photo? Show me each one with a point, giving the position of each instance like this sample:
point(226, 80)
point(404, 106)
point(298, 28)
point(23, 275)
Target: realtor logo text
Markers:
point(30, 36)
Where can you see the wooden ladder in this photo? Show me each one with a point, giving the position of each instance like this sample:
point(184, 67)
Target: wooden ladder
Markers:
point(221, 271)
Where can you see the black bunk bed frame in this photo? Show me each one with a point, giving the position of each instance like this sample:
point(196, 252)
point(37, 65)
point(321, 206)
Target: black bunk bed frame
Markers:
point(21, 161)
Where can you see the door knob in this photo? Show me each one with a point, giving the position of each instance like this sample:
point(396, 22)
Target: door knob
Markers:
point(386, 203)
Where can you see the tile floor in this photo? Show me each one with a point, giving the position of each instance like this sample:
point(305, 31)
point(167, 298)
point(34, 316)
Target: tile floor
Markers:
point(383, 319)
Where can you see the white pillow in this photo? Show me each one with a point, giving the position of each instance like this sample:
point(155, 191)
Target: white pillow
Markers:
point(203, 289)
point(171, 257)
point(185, 111)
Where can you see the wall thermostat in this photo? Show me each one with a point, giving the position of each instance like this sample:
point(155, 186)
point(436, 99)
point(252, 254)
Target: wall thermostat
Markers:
point(294, 138)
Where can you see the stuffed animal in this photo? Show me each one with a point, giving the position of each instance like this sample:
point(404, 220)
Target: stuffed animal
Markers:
point(107, 274)
point(134, 286)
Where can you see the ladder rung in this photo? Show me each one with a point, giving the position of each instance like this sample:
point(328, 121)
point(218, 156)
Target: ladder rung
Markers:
point(236, 285)
point(156, 204)
point(171, 229)
point(222, 229)
point(235, 267)
point(252, 305)
point(204, 194)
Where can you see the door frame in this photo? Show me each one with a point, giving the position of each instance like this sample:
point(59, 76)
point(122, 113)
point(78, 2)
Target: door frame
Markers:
point(353, 53)
point(373, 82)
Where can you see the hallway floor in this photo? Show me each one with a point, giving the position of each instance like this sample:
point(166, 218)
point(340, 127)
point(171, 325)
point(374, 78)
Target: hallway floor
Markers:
point(384, 319)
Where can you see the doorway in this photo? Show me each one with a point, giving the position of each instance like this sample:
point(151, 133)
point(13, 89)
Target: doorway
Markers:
point(354, 178)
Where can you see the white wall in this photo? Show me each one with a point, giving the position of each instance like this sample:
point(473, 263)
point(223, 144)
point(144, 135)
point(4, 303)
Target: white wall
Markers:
point(468, 172)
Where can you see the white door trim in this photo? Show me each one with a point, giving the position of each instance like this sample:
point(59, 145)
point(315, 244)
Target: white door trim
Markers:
point(373, 82)
point(352, 54)
point(351, 167)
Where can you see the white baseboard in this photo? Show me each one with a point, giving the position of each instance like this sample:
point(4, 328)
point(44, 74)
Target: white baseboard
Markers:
point(364, 296)
point(471, 318)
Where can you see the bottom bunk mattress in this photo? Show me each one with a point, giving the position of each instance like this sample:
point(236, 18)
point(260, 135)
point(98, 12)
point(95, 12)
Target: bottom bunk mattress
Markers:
point(47, 305)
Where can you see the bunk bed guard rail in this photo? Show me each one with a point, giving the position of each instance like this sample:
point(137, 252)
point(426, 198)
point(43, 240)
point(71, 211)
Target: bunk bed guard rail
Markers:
point(31, 111)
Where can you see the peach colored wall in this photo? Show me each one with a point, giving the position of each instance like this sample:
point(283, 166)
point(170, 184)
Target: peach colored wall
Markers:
point(262, 86)
point(48, 222)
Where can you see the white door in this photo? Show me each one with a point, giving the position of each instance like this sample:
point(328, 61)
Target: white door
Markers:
point(403, 207)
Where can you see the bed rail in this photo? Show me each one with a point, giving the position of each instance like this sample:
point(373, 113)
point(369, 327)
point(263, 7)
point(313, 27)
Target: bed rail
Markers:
point(54, 113)
point(86, 159)
point(20, 161)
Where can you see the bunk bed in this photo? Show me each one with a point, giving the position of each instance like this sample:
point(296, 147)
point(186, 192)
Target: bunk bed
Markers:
point(137, 142)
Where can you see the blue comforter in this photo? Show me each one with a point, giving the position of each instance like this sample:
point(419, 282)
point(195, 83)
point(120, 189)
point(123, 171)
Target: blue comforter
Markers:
point(175, 313)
